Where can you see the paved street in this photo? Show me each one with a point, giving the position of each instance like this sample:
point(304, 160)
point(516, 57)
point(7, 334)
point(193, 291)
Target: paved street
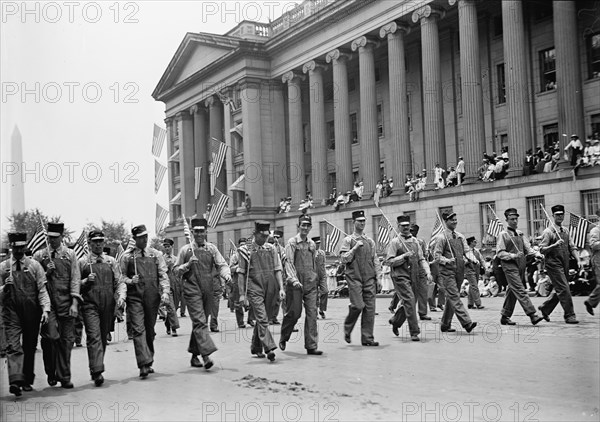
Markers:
point(520, 373)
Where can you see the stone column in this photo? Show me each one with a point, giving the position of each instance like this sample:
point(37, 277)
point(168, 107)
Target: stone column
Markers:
point(341, 122)
point(568, 71)
point(201, 156)
point(215, 110)
point(472, 91)
point(370, 168)
point(433, 108)
point(296, 137)
point(186, 163)
point(399, 130)
point(253, 153)
point(318, 132)
point(170, 151)
point(515, 69)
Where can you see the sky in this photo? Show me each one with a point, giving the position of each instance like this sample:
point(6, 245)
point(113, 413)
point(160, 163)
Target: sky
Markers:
point(77, 79)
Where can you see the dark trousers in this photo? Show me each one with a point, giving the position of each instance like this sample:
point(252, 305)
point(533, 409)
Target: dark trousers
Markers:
point(407, 310)
point(298, 297)
point(261, 336)
point(97, 326)
point(216, 301)
point(141, 319)
point(199, 303)
point(362, 301)
point(21, 330)
point(58, 336)
point(561, 293)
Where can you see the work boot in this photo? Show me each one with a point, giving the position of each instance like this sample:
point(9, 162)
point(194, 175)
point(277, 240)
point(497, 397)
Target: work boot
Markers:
point(195, 362)
point(208, 363)
point(571, 320)
point(589, 308)
point(506, 321)
point(535, 319)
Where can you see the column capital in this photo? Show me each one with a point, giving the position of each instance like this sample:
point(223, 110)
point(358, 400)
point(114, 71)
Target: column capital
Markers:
point(338, 54)
point(364, 42)
point(392, 28)
point(194, 109)
point(290, 76)
point(182, 115)
point(428, 12)
point(313, 66)
point(453, 2)
point(168, 121)
point(210, 101)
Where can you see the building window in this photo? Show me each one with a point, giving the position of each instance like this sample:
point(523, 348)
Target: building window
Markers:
point(501, 83)
point(349, 225)
point(486, 212)
point(593, 55)
point(548, 69)
point(380, 132)
point(355, 176)
point(354, 128)
point(331, 134)
point(595, 123)
point(498, 26)
point(175, 212)
point(590, 200)
point(536, 218)
point(550, 134)
point(503, 141)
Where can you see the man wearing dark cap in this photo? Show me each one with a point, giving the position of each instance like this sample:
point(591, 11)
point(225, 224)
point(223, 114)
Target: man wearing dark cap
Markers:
point(234, 291)
point(259, 266)
point(64, 284)
point(557, 248)
point(198, 262)
point(101, 283)
point(25, 304)
point(145, 273)
point(323, 291)
point(171, 320)
point(421, 285)
point(472, 274)
point(405, 256)
point(594, 242)
point(449, 248)
point(301, 287)
point(511, 249)
point(363, 269)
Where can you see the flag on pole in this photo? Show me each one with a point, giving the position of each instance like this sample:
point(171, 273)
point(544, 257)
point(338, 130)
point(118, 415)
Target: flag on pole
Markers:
point(383, 232)
point(38, 240)
point(218, 150)
point(495, 227)
point(81, 247)
point(578, 228)
point(158, 140)
point(197, 179)
point(186, 229)
point(438, 228)
point(332, 238)
point(161, 218)
point(218, 208)
point(159, 174)
point(119, 253)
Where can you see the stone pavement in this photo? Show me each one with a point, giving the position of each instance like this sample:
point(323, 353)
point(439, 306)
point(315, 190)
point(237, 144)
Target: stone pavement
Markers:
point(497, 373)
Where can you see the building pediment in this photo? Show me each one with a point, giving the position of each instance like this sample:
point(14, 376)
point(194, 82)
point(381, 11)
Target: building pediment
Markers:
point(195, 53)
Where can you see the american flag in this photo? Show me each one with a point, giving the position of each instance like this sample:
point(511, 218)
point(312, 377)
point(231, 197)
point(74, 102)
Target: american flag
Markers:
point(161, 218)
point(159, 174)
point(81, 247)
point(383, 232)
point(332, 238)
point(119, 253)
point(218, 150)
point(38, 241)
point(197, 179)
point(220, 203)
point(158, 140)
point(495, 227)
point(578, 228)
point(437, 229)
point(186, 229)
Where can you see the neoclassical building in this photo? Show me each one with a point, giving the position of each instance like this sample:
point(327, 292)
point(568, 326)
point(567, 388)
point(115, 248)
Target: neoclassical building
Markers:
point(334, 92)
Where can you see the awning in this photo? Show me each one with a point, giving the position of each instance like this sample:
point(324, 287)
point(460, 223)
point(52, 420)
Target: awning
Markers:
point(175, 156)
point(239, 184)
point(239, 129)
point(176, 199)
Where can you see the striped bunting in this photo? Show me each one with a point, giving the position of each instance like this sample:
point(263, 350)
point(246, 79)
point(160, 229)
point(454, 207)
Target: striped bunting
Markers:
point(161, 218)
point(218, 150)
point(158, 140)
point(159, 174)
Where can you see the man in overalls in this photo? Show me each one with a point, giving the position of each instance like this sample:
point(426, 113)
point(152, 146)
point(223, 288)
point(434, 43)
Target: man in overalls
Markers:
point(323, 290)
point(557, 248)
point(171, 320)
point(145, 273)
point(234, 290)
point(472, 274)
point(260, 266)
point(64, 284)
point(449, 248)
point(101, 282)
point(421, 285)
point(512, 248)
point(594, 242)
point(198, 263)
point(405, 258)
point(302, 283)
point(25, 302)
point(362, 271)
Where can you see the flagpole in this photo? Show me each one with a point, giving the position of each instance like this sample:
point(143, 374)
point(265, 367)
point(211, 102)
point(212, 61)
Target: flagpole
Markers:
point(445, 235)
point(393, 228)
point(190, 237)
point(496, 216)
point(47, 242)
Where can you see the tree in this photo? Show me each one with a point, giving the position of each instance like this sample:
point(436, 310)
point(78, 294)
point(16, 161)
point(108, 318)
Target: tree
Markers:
point(28, 222)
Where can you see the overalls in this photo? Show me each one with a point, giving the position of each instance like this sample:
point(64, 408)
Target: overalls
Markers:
point(261, 274)
point(403, 277)
point(452, 276)
point(514, 271)
point(557, 267)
